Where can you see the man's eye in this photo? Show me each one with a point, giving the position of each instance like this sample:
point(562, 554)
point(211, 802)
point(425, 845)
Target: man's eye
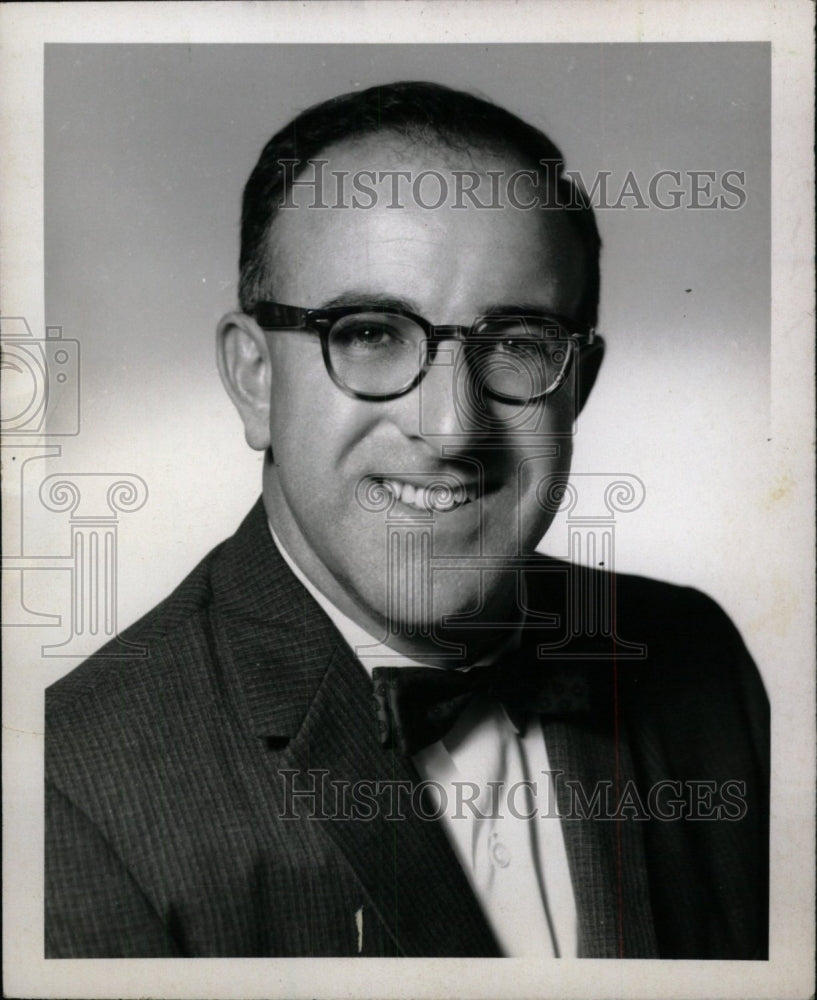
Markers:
point(372, 336)
point(368, 337)
point(517, 345)
point(552, 352)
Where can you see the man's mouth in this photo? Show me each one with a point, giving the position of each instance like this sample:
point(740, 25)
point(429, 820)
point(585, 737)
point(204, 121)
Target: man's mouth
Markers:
point(440, 495)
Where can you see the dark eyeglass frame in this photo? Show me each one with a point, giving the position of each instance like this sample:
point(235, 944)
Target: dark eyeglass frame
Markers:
point(277, 316)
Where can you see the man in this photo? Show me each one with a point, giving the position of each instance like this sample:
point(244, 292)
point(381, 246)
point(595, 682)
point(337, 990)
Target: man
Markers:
point(556, 761)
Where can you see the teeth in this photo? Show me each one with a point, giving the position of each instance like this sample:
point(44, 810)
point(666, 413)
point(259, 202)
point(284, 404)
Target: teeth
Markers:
point(420, 498)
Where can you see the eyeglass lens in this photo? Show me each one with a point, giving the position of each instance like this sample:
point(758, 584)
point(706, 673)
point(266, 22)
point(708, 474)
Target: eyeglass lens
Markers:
point(378, 353)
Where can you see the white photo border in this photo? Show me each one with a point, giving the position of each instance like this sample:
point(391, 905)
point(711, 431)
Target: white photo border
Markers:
point(26, 28)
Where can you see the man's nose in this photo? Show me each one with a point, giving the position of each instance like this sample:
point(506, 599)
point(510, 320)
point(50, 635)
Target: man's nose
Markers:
point(447, 404)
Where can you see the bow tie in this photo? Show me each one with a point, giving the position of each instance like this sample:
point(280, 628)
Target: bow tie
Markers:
point(416, 706)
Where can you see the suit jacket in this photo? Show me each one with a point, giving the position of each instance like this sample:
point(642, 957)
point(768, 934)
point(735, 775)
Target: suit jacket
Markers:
point(172, 827)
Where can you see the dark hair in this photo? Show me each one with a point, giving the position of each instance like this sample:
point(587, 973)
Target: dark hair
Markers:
point(418, 111)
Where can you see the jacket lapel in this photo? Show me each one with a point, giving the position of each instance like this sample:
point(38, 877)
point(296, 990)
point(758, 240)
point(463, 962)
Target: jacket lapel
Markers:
point(404, 862)
point(298, 686)
point(605, 854)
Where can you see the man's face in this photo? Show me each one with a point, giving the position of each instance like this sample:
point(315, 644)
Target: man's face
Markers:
point(335, 456)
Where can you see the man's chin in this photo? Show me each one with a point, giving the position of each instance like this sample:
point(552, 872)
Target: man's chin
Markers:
point(446, 620)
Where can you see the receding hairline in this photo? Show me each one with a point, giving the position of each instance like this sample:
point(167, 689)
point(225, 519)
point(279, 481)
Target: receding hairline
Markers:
point(411, 144)
point(414, 113)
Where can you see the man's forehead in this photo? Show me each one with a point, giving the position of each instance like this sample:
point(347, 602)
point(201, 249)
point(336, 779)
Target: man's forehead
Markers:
point(386, 169)
point(387, 213)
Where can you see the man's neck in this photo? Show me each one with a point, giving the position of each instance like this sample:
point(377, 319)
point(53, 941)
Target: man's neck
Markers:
point(370, 651)
point(444, 647)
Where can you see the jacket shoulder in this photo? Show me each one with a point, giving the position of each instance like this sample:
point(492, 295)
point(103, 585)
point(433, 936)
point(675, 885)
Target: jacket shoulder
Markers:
point(669, 641)
point(651, 609)
point(695, 675)
point(144, 658)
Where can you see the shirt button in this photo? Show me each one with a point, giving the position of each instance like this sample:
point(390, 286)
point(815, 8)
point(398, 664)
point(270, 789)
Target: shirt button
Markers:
point(501, 855)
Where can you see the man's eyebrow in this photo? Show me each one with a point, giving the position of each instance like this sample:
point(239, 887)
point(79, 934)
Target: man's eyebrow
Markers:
point(379, 300)
point(516, 309)
point(383, 301)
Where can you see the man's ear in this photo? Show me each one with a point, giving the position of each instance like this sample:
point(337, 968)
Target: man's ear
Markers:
point(244, 365)
point(590, 361)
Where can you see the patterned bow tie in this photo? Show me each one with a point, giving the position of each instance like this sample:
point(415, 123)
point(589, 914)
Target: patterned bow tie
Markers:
point(416, 706)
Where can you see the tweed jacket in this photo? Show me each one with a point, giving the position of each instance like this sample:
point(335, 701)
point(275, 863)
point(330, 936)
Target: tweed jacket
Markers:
point(172, 827)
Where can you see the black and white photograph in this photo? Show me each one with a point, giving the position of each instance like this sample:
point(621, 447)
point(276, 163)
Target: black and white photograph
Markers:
point(408, 501)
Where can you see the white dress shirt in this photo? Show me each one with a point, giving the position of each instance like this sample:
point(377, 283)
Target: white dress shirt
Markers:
point(488, 779)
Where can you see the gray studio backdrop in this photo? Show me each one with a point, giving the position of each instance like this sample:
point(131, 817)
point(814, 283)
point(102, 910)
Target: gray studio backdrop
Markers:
point(146, 151)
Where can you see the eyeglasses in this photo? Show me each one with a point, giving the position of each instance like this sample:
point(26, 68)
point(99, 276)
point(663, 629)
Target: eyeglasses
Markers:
point(378, 353)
